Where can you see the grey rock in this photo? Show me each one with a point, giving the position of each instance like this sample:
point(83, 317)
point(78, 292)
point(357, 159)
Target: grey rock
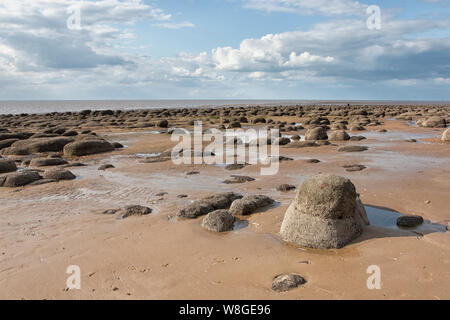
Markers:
point(135, 211)
point(325, 214)
point(218, 221)
point(208, 204)
point(249, 204)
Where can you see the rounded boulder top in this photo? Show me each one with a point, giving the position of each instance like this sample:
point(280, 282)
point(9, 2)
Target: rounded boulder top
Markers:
point(326, 213)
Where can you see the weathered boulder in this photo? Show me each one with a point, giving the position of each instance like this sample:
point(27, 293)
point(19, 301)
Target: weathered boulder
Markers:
point(433, 122)
point(59, 174)
point(7, 165)
point(87, 146)
point(446, 135)
point(317, 133)
point(19, 179)
point(338, 135)
point(46, 162)
point(38, 145)
point(218, 221)
point(249, 204)
point(208, 204)
point(135, 211)
point(325, 214)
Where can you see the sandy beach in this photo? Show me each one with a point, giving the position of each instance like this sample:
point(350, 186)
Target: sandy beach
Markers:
point(45, 228)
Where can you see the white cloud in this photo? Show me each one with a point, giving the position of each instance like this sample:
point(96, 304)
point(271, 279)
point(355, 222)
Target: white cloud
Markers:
point(308, 7)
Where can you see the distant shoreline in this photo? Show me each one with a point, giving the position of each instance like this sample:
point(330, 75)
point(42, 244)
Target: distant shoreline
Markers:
point(48, 106)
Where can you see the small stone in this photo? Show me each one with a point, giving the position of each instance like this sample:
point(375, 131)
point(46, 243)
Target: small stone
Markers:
point(409, 221)
point(285, 187)
point(218, 221)
point(286, 282)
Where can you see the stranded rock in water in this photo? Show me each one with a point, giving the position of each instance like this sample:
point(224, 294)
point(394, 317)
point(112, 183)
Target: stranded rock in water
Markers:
point(325, 214)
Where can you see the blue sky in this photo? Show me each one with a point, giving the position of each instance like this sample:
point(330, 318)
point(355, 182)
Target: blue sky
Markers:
point(229, 49)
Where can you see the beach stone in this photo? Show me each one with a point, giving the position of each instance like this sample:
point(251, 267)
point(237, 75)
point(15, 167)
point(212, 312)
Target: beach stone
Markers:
point(87, 147)
point(312, 161)
point(303, 144)
point(446, 135)
point(325, 214)
point(19, 179)
point(37, 145)
point(282, 141)
point(249, 204)
point(208, 204)
point(59, 174)
point(163, 124)
point(338, 135)
point(317, 133)
point(135, 211)
point(357, 138)
point(106, 166)
point(286, 282)
point(117, 145)
point(433, 122)
point(46, 162)
point(235, 166)
point(353, 149)
point(7, 166)
point(238, 179)
point(7, 143)
point(409, 221)
point(354, 167)
point(286, 187)
point(218, 221)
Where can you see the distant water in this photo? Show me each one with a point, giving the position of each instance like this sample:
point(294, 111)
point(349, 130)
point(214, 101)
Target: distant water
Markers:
point(17, 107)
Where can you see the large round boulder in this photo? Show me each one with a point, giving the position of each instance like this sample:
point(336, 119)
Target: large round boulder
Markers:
point(325, 214)
point(338, 135)
point(317, 133)
point(433, 122)
point(218, 221)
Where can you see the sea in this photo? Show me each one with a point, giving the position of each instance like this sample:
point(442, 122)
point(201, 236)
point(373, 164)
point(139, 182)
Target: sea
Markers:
point(34, 107)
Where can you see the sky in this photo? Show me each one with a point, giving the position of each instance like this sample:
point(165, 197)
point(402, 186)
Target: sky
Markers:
point(224, 49)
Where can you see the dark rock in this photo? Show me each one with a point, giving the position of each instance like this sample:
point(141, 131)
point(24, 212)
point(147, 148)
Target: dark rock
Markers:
point(286, 187)
point(106, 166)
point(135, 211)
point(46, 162)
point(208, 204)
point(353, 149)
point(7, 166)
point(354, 167)
point(19, 179)
point(59, 174)
point(409, 221)
point(238, 179)
point(87, 147)
point(286, 282)
point(38, 145)
point(249, 204)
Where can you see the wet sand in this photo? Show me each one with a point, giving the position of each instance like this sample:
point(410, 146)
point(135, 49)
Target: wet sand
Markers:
point(46, 228)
